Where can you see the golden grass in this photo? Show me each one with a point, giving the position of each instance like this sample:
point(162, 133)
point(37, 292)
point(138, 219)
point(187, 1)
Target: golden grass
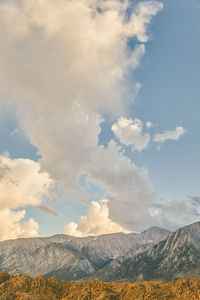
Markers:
point(21, 287)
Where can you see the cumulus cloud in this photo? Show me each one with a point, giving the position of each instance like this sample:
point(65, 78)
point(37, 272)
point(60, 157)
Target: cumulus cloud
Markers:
point(21, 184)
point(130, 193)
point(97, 222)
point(129, 132)
point(11, 226)
point(45, 57)
point(43, 67)
point(169, 135)
point(63, 65)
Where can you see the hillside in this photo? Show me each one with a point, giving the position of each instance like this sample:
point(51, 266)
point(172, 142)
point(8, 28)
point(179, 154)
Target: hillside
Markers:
point(39, 288)
point(73, 258)
point(176, 257)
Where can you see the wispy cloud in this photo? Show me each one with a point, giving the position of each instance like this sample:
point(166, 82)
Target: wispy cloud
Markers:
point(47, 210)
point(169, 135)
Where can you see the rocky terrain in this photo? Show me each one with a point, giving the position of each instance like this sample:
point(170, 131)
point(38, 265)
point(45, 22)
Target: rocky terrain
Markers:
point(176, 257)
point(154, 254)
point(23, 287)
point(72, 258)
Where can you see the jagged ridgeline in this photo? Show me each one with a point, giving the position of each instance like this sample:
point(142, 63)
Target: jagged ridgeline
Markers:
point(72, 258)
point(40, 288)
point(154, 254)
point(176, 257)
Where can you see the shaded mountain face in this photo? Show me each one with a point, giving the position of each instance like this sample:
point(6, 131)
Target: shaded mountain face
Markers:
point(73, 258)
point(176, 257)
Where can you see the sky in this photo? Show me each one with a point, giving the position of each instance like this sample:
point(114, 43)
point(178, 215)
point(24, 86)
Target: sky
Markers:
point(99, 116)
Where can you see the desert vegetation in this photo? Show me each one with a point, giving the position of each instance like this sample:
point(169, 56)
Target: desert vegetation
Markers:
point(21, 287)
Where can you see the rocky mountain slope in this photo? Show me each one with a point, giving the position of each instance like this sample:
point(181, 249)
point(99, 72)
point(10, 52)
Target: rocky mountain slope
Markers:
point(72, 258)
point(176, 257)
point(39, 288)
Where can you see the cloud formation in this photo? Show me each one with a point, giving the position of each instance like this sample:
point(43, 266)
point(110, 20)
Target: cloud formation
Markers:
point(12, 226)
point(169, 135)
point(21, 184)
point(71, 51)
point(129, 133)
point(63, 65)
point(97, 222)
point(130, 194)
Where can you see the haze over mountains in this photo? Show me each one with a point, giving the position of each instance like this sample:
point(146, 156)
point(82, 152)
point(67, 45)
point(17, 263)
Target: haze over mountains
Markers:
point(155, 254)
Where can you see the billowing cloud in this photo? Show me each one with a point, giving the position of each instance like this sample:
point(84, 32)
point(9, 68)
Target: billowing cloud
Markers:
point(129, 132)
point(61, 77)
point(12, 226)
point(130, 194)
point(169, 135)
point(22, 183)
point(95, 223)
point(64, 52)
point(63, 65)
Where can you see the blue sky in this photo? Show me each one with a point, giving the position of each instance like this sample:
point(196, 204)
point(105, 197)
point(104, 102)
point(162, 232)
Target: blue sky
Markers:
point(169, 73)
point(170, 95)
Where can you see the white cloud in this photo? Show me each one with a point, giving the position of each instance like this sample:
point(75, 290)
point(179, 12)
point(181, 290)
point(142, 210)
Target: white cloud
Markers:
point(21, 184)
point(63, 63)
point(129, 132)
point(11, 226)
point(97, 222)
point(169, 135)
point(59, 52)
point(130, 193)
point(59, 77)
point(142, 17)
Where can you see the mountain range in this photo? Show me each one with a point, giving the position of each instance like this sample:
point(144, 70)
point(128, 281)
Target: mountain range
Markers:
point(176, 257)
point(155, 254)
point(73, 258)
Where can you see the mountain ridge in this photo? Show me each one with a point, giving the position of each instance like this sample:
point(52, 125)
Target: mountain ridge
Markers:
point(171, 259)
point(69, 257)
